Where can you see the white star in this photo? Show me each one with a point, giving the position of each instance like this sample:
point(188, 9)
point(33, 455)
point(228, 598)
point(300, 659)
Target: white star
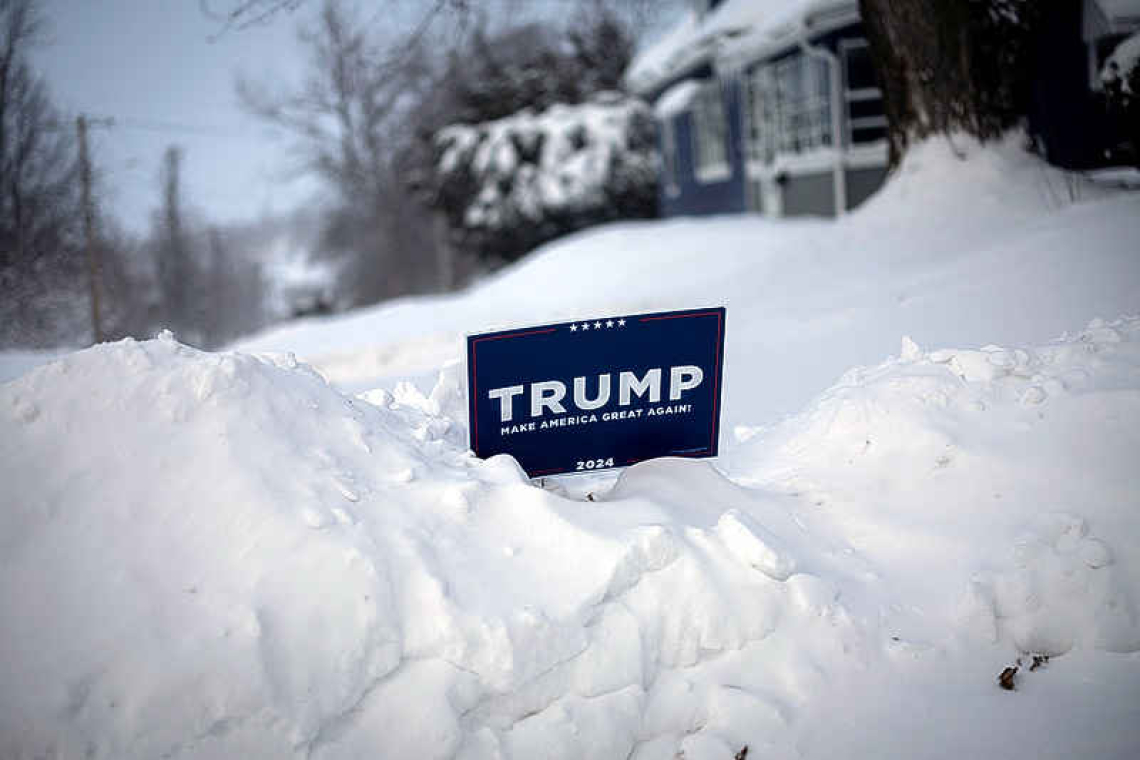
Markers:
point(585, 325)
point(621, 323)
point(573, 328)
point(597, 325)
point(609, 323)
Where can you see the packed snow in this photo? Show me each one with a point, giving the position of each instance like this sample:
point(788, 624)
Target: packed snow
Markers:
point(226, 555)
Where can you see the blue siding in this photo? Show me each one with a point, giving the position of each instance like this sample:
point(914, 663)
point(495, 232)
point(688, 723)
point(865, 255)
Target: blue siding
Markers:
point(806, 192)
point(699, 198)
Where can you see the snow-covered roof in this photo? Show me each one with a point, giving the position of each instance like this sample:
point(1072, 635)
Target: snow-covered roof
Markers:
point(676, 99)
point(697, 38)
point(673, 53)
point(1105, 17)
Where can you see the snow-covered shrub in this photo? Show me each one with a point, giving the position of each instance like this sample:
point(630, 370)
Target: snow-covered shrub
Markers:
point(1122, 68)
point(1121, 79)
point(514, 183)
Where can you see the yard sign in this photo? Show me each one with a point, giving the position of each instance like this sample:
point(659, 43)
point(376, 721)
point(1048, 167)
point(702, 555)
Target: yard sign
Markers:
point(598, 393)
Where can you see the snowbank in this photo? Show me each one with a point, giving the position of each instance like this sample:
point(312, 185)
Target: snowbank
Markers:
point(220, 555)
point(215, 555)
point(1012, 462)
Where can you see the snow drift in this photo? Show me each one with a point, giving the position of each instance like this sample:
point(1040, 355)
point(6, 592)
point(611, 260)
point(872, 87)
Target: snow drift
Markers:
point(966, 245)
point(222, 555)
point(216, 555)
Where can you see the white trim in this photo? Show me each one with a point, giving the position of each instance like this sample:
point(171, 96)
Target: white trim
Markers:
point(707, 175)
point(865, 156)
point(867, 122)
point(864, 93)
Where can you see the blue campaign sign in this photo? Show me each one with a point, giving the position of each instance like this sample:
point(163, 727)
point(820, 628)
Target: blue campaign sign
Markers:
point(598, 393)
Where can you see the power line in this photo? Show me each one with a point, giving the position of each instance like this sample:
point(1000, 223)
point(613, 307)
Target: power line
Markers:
point(148, 125)
point(158, 125)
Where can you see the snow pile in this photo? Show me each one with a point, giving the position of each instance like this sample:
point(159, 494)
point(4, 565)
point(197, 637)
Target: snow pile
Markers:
point(218, 555)
point(569, 160)
point(994, 184)
point(215, 555)
point(165, 511)
point(1013, 463)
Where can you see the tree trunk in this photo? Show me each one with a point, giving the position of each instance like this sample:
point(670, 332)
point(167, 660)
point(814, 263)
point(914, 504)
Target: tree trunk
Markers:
point(952, 65)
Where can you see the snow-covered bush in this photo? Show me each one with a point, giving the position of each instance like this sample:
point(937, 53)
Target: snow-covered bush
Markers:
point(1121, 79)
point(514, 183)
point(1122, 68)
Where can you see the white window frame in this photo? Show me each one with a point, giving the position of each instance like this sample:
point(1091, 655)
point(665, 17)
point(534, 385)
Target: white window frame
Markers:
point(710, 135)
point(761, 115)
point(803, 104)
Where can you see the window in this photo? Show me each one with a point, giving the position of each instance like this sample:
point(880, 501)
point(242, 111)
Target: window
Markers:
point(866, 121)
point(803, 103)
point(669, 155)
point(760, 94)
point(710, 138)
point(789, 107)
point(789, 103)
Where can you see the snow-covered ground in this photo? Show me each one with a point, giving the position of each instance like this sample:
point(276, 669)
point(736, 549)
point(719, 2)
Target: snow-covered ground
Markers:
point(220, 555)
point(952, 252)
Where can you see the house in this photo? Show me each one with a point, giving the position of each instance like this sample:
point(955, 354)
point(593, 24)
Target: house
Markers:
point(772, 106)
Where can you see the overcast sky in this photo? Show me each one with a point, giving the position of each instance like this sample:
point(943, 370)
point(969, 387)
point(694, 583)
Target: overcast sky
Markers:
point(150, 64)
point(153, 67)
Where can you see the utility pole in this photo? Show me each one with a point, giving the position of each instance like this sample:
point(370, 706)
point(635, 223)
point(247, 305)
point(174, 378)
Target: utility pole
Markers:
point(89, 226)
point(215, 320)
